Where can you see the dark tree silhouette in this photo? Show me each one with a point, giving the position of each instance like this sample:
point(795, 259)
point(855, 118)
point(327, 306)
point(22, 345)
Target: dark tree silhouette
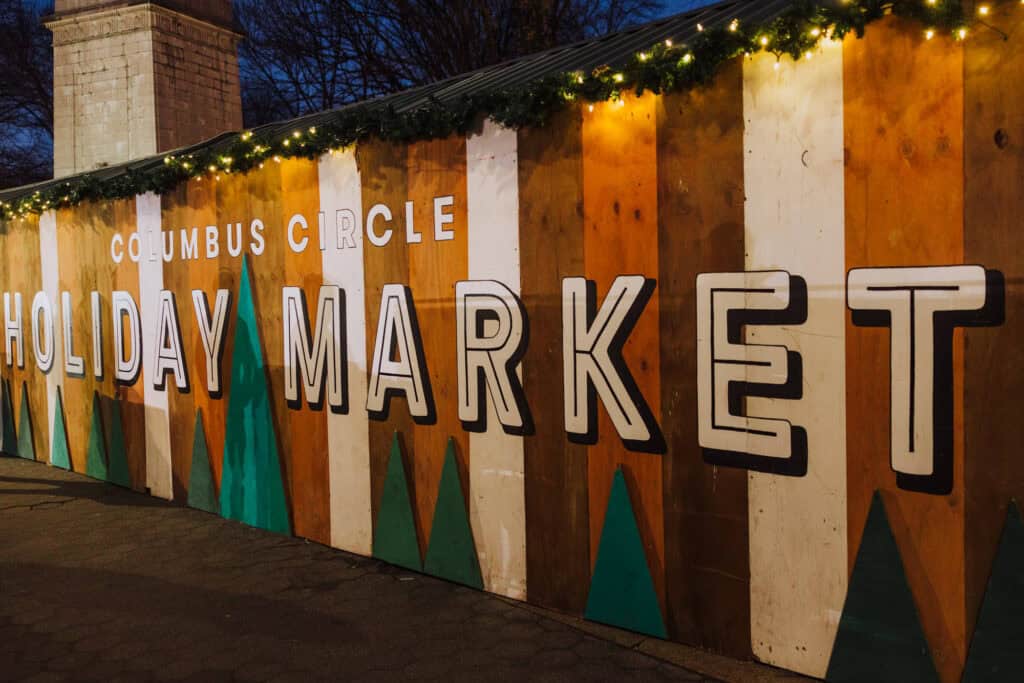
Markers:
point(26, 94)
point(302, 56)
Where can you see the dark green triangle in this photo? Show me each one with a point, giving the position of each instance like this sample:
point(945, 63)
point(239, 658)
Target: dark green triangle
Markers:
point(26, 432)
point(117, 454)
point(880, 637)
point(8, 435)
point(96, 458)
point(394, 534)
point(202, 494)
point(451, 553)
point(59, 454)
point(997, 647)
point(622, 593)
point(252, 488)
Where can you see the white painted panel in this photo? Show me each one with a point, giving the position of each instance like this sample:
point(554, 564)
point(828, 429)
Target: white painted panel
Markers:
point(497, 505)
point(50, 265)
point(348, 436)
point(151, 281)
point(795, 221)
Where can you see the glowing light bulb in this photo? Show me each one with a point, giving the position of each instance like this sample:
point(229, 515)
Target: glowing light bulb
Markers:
point(815, 31)
point(929, 34)
point(642, 56)
point(617, 78)
point(668, 41)
point(962, 33)
point(700, 27)
point(734, 24)
point(764, 40)
point(983, 10)
point(687, 58)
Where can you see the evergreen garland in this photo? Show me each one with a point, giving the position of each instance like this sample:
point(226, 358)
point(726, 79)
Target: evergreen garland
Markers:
point(666, 67)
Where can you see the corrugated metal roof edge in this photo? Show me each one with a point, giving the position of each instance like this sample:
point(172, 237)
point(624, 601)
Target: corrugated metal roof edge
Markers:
point(612, 49)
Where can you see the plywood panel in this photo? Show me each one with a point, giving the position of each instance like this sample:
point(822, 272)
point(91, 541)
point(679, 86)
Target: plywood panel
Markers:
point(384, 177)
point(497, 504)
point(903, 121)
point(49, 267)
point(23, 273)
point(437, 168)
point(620, 214)
point(306, 447)
point(348, 434)
point(158, 470)
point(551, 243)
point(131, 398)
point(700, 229)
point(993, 206)
point(794, 222)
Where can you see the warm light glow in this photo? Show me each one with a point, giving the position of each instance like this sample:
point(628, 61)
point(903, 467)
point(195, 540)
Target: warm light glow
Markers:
point(764, 40)
point(617, 78)
point(312, 130)
point(590, 107)
point(734, 24)
point(775, 66)
point(929, 34)
point(815, 31)
point(643, 56)
point(287, 143)
point(622, 102)
point(212, 168)
point(808, 55)
point(962, 33)
point(983, 10)
point(668, 41)
point(700, 27)
point(687, 58)
point(296, 134)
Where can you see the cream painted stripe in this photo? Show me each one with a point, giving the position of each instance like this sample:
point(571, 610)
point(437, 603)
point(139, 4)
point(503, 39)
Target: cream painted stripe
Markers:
point(497, 505)
point(49, 264)
point(795, 221)
point(151, 282)
point(348, 436)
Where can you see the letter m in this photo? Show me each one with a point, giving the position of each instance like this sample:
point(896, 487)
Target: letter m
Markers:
point(317, 356)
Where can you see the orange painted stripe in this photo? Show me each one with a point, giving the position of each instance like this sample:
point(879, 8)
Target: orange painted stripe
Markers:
point(307, 446)
point(620, 215)
point(904, 206)
point(437, 168)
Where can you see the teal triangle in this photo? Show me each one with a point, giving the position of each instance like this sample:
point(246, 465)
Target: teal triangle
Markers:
point(26, 444)
point(202, 494)
point(880, 637)
point(451, 553)
point(96, 458)
point(997, 648)
point(394, 534)
point(8, 435)
point(60, 456)
point(621, 592)
point(117, 454)
point(252, 488)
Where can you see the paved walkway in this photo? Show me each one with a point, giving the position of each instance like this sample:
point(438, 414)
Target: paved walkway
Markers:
point(102, 584)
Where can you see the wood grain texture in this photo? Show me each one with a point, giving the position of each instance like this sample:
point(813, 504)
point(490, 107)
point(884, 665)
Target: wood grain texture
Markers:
point(306, 447)
point(904, 206)
point(497, 505)
point(794, 222)
point(85, 265)
point(620, 215)
point(348, 434)
point(23, 273)
point(437, 168)
point(551, 239)
point(700, 229)
point(993, 206)
point(384, 177)
point(130, 398)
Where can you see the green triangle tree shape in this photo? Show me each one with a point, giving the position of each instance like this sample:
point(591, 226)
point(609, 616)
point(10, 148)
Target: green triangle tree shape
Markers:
point(8, 435)
point(202, 494)
point(252, 487)
point(96, 458)
point(394, 533)
point(621, 591)
point(880, 636)
point(451, 553)
point(26, 432)
point(997, 647)
point(60, 456)
point(117, 453)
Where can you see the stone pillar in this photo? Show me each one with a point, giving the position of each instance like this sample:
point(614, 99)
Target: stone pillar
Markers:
point(132, 79)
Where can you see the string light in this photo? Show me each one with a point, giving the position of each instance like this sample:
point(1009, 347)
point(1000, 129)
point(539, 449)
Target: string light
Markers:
point(661, 68)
